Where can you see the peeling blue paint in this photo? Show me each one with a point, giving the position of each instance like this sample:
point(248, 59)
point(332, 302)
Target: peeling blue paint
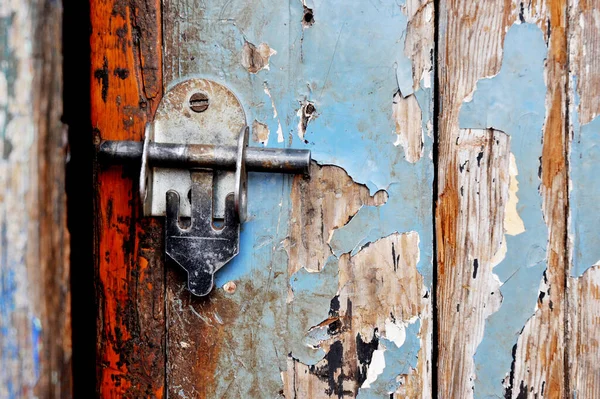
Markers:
point(374, 222)
point(312, 292)
point(513, 101)
point(350, 68)
point(36, 341)
point(9, 348)
point(585, 191)
point(398, 360)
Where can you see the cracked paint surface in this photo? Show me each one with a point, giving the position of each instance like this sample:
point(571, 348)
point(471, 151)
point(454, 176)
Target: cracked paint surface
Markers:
point(513, 101)
point(349, 69)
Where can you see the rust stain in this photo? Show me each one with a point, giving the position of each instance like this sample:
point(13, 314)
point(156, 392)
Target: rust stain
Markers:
point(199, 330)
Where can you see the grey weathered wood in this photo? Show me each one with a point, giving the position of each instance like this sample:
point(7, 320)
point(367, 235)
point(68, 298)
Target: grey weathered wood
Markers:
point(35, 325)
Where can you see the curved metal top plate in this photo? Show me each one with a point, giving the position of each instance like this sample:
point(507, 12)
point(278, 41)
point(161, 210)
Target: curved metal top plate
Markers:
point(176, 122)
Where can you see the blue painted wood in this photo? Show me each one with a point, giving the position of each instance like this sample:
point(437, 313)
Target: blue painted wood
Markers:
point(349, 64)
point(513, 102)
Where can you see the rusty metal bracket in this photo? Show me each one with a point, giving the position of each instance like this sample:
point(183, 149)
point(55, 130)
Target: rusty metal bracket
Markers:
point(194, 163)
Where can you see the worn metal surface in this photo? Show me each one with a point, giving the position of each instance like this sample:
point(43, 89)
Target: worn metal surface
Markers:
point(35, 323)
point(188, 156)
point(174, 123)
point(201, 249)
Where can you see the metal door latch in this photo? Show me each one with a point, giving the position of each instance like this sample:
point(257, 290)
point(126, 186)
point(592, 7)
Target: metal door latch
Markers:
point(195, 161)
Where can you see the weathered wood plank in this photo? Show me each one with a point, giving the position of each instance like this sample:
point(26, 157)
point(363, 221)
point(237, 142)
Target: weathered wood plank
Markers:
point(539, 358)
point(35, 325)
point(584, 280)
point(331, 273)
point(518, 347)
point(126, 85)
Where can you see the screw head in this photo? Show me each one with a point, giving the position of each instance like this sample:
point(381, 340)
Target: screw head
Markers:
point(199, 102)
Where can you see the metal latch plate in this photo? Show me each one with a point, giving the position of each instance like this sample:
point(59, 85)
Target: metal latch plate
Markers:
point(218, 122)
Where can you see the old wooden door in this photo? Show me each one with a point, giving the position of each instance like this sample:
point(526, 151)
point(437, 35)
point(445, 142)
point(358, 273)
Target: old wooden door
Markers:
point(445, 242)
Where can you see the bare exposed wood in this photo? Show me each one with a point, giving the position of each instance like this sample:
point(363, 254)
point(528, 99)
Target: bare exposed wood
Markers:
point(481, 173)
point(584, 317)
point(381, 294)
point(584, 280)
point(465, 61)
point(321, 204)
point(539, 366)
point(35, 325)
point(466, 57)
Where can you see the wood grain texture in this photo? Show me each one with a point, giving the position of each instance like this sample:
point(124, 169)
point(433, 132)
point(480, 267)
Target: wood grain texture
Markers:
point(35, 324)
point(464, 62)
point(466, 57)
point(481, 175)
point(584, 337)
point(126, 85)
point(539, 363)
point(584, 108)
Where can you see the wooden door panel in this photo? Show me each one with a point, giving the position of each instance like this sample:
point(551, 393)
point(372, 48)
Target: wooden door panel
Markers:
point(501, 221)
point(322, 77)
point(334, 293)
point(584, 276)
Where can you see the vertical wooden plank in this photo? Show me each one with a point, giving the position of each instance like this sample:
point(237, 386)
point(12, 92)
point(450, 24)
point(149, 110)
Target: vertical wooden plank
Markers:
point(35, 325)
point(330, 295)
point(126, 86)
point(511, 342)
point(584, 280)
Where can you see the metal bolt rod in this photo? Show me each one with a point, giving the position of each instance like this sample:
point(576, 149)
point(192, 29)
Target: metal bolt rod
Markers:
point(189, 156)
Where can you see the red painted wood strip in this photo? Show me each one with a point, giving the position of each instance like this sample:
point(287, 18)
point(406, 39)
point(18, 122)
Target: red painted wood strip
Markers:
point(126, 84)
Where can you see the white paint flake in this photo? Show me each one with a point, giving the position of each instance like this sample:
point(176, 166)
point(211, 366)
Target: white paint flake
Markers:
point(376, 367)
point(513, 224)
point(279, 129)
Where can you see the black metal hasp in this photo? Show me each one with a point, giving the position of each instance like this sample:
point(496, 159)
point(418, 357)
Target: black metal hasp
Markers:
point(194, 164)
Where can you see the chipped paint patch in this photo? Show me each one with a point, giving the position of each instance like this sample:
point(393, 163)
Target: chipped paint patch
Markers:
point(312, 298)
point(399, 361)
point(513, 224)
point(361, 230)
point(305, 114)
point(375, 368)
point(255, 58)
point(407, 115)
point(275, 115)
point(260, 132)
point(585, 191)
